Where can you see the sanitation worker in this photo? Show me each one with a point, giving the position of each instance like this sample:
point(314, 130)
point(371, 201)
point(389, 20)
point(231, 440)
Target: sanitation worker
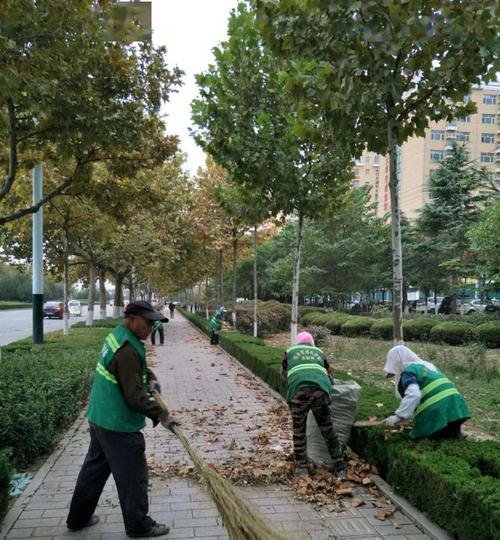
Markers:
point(215, 325)
point(309, 378)
point(118, 406)
point(437, 408)
point(158, 327)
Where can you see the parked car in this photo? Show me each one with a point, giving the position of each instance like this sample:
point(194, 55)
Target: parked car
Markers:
point(75, 308)
point(53, 309)
point(473, 306)
point(431, 307)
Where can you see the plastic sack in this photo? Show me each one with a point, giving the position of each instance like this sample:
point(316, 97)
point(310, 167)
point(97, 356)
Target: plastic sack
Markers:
point(343, 412)
point(18, 483)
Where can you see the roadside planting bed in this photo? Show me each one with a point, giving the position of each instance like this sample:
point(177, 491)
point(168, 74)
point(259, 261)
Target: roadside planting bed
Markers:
point(457, 484)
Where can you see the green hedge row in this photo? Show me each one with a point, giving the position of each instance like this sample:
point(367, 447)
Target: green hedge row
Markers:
point(456, 483)
point(422, 329)
point(42, 388)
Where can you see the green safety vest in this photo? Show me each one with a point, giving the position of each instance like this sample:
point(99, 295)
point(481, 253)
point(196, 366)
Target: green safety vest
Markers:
point(107, 406)
point(157, 325)
point(306, 369)
point(215, 321)
point(440, 404)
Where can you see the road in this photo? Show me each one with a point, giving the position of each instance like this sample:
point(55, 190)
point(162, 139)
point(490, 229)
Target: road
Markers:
point(18, 323)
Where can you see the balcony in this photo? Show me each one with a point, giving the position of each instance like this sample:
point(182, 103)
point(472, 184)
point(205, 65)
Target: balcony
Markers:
point(451, 127)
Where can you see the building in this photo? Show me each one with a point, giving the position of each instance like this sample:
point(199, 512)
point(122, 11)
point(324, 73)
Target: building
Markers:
point(419, 156)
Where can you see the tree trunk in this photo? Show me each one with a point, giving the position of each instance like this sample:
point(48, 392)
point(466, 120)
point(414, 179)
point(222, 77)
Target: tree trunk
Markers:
point(235, 254)
point(102, 294)
point(90, 306)
point(65, 288)
point(206, 298)
point(118, 301)
point(221, 284)
point(296, 275)
point(397, 255)
point(255, 292)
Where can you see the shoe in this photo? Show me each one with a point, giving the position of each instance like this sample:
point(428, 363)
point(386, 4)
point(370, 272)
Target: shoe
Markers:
point(340, 469)
point(302, 469)
point(92, 521)
point(158, 529)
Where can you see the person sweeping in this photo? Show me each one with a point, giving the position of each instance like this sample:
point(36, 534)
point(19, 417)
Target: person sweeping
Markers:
point(215, 325)
point(309, 378)
point(426, 394)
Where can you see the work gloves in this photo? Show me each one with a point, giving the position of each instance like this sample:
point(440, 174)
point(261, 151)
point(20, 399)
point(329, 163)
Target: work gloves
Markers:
point(392, 421)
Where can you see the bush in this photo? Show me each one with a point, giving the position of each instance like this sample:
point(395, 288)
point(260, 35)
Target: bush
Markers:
point(382, 329)
point(489, 334)
point(315, 317)
point(272, 317)
point(100, 323)
point(357, 326)
point(304, 310)
point(418, 329)
point(5, 475)
point(335, 322)
point(319, 334)
point(454, 333)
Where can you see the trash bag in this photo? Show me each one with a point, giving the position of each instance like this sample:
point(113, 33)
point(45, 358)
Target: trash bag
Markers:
point(342, 411)
point(18, 483)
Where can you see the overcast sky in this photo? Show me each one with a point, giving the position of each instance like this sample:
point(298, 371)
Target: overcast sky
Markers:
point(189, 29)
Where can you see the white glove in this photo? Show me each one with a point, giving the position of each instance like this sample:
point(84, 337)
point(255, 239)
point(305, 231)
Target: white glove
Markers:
point(391, 421)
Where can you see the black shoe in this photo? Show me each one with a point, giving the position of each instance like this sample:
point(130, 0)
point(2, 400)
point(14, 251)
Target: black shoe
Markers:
point(340, 469)
point(158, 529)
point(92, 521)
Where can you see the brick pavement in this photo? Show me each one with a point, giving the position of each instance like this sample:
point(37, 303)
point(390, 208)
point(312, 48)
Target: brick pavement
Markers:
point(224, 409)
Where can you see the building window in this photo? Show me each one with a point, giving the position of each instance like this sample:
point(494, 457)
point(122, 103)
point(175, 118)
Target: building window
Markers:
point(367, 172)
point(487, 137)
point(463, 136)
point(464, 119)
point(355, 184)
point(488, 99)
point(486, 158)
point(467, 98)
point(488, 119)
point(436, 155)
point(367, 159)
point(437, 135)
point(376, 159)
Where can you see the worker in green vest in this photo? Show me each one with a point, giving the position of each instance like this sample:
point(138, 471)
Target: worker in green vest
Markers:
point(120, 400)
point(432, 400)
point(309, 379)
point(215, 325)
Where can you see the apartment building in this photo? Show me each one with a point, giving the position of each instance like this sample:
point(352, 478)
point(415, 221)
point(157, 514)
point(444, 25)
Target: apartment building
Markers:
point(419, 156)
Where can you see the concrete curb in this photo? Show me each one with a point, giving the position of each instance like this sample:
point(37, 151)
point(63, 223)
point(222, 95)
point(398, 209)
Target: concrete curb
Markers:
point(18, 507)
point(427, 526)
point(417, 517)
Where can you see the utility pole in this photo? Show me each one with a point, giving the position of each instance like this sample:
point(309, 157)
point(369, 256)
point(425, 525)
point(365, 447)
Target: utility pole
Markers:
point(37, 256)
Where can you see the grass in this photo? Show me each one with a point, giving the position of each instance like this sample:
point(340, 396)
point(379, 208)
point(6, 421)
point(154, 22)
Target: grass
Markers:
point(474, 370)
point(14, 304)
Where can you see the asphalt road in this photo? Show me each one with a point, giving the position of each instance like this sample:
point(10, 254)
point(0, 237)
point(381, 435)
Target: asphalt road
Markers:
point(18, 323)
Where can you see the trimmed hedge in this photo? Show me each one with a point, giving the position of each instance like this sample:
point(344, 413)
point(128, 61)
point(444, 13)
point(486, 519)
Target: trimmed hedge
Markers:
point(489, 334)
point(357, 326)
point(335, 322)
point(455, 482)
point(5, 476)
point(418, 329)
point(453, 333)
point(272, 316)
point(382, 329)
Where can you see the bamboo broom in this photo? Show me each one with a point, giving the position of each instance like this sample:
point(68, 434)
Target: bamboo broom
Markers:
point(242, 520)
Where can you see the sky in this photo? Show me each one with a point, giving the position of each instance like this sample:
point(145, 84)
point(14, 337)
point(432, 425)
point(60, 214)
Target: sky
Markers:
point(189, 29)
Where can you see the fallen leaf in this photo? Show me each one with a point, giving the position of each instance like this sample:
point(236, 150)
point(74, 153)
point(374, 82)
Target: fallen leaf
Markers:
point(357, 502)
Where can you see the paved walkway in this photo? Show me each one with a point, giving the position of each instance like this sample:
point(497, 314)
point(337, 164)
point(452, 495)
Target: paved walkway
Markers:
point(236, 422)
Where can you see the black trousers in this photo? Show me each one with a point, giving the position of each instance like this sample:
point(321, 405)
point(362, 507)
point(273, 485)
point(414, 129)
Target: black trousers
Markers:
point(214, 337)
point(171, 313)
point(153, 335)
point(122, 455)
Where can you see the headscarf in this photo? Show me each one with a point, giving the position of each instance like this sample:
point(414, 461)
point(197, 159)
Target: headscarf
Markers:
point(304, 338)
point(398, 359)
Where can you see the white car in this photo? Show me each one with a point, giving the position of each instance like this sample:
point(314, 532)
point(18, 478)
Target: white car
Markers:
point(74, 308)
point(473, 306)
point(431, 306)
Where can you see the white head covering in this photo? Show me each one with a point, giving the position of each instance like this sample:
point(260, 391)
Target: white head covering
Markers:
point(398, 358)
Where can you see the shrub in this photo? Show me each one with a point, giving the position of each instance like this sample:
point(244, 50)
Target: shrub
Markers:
point(335, 322)
point(418, 329)
point(5, 475)
point(489, 334)
point(454, 333)
point(319, 333)
point(382, 329)
point(272, 317)
point(100, 323)
point(357, 326)
point(304, 310)
point(316, 318)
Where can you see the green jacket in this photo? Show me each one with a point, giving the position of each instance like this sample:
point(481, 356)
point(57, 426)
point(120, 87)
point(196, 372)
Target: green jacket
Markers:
point(440, 404)
point(107, 406)
point(305, 369)
point(215, 322)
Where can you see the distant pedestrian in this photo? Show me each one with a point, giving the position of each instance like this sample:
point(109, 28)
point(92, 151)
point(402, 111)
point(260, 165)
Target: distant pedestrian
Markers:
point(157, 327)
point(119, 403)
point(431, 399)
point(309, 378)
point(215, 325)
point(171, 307)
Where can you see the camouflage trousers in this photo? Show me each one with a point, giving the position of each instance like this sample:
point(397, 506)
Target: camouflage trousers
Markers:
point(319, 403)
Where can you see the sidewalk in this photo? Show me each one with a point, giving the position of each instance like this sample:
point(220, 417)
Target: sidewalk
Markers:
point(230, 417)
